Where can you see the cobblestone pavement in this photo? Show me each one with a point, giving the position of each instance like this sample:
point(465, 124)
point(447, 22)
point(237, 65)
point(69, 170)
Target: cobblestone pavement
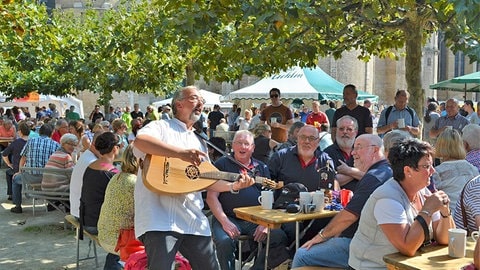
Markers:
point(38, 242)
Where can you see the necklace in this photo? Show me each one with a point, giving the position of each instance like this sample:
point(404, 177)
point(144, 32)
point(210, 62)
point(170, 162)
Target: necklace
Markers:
point(412, 204)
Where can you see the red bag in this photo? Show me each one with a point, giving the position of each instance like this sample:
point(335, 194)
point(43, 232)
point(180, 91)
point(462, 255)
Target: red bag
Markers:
point(128, 244)
point(138, 261)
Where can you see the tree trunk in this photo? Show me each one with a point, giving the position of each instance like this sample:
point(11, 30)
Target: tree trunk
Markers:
point(190, 72)
point(413, 65)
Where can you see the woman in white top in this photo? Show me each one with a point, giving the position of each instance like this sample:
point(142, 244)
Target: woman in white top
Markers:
point(454, 171)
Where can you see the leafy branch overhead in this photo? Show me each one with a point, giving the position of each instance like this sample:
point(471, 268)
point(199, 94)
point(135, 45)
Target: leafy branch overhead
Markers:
point(153, 46)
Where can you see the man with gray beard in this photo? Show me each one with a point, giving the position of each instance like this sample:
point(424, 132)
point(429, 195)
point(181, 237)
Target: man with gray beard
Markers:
point(341, 152)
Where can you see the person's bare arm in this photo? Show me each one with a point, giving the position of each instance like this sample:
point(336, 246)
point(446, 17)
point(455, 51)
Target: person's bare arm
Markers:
point(349, 171)
point(7, 161)
point(287, 125)
point(387, 128)
point(217, 211)
point(337, 225)
point(152, 145)
point(272, 143)
point(22, 162)
point(435, 132)
point(412, 130)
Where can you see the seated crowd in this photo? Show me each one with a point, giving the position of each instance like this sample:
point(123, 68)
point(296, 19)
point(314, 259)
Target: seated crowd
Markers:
point(406, 192)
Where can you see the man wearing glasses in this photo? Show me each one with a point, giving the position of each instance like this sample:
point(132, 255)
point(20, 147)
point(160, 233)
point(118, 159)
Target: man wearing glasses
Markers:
point(330, 246)
point(175, 222)
point(304, 163)
point(278, 116)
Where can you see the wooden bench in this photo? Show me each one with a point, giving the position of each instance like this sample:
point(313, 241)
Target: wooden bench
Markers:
point(33, 189)
point(93, 240)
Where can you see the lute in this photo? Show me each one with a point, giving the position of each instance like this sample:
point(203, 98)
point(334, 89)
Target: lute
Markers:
point(172, 175)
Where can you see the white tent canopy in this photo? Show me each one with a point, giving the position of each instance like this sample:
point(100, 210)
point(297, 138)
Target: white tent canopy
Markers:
point(62, 104)
point(210, 100)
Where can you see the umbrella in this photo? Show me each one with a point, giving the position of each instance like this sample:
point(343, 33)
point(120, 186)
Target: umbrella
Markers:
point(465, 83)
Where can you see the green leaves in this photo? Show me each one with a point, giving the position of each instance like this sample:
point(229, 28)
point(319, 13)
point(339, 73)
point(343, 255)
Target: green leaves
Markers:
point(152, 46)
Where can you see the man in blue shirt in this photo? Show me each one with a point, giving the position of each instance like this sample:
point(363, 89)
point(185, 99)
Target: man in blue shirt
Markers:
point(226, 227)
point(453, 119)
point(389, 118)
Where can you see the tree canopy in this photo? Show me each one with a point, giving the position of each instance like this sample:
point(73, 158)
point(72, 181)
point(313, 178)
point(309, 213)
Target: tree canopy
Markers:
point(152, 46)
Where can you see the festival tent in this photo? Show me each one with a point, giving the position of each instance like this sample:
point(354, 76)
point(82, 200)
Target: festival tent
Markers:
point(297, 83)
point(210, 100)
point(38, 100)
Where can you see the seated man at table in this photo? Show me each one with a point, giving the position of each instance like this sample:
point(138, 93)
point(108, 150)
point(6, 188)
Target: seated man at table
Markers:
point(225, 226)
point(341, 153)
point(326, 249)
point(304, 163)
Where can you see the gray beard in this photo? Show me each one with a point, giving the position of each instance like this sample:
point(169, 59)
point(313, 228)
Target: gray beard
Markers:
point(194, 117)
point(345, 144)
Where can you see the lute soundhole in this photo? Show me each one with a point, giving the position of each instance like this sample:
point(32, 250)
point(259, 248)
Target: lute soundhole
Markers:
point(192, 172)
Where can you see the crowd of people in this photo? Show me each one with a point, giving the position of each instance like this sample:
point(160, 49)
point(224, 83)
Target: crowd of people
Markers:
point(403, 171)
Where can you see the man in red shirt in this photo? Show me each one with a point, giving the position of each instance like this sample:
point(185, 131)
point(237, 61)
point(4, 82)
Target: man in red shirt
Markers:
point(61, 127)
point(318, 118)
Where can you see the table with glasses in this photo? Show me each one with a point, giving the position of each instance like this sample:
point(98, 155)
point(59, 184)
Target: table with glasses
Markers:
point(273, 219)
point(430, 257)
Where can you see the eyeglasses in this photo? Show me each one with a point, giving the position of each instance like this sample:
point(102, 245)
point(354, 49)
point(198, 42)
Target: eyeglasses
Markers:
point(274, 96)
point(195, 98)
point(307, 138)
point(246, 144)
point(358, 147)
point(72, 144)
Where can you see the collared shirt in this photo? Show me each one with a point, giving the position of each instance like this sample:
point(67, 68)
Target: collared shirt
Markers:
point(396, 114)
point(457, 122)
point(473, 157)
point(38, 151)
point(181, 213)
point(285, 165)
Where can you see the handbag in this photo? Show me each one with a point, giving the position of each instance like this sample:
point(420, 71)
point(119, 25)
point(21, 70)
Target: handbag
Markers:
point(128, 244)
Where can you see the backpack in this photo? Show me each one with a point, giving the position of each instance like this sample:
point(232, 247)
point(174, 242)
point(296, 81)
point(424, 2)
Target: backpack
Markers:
point(389, 109)
point(289, 194)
